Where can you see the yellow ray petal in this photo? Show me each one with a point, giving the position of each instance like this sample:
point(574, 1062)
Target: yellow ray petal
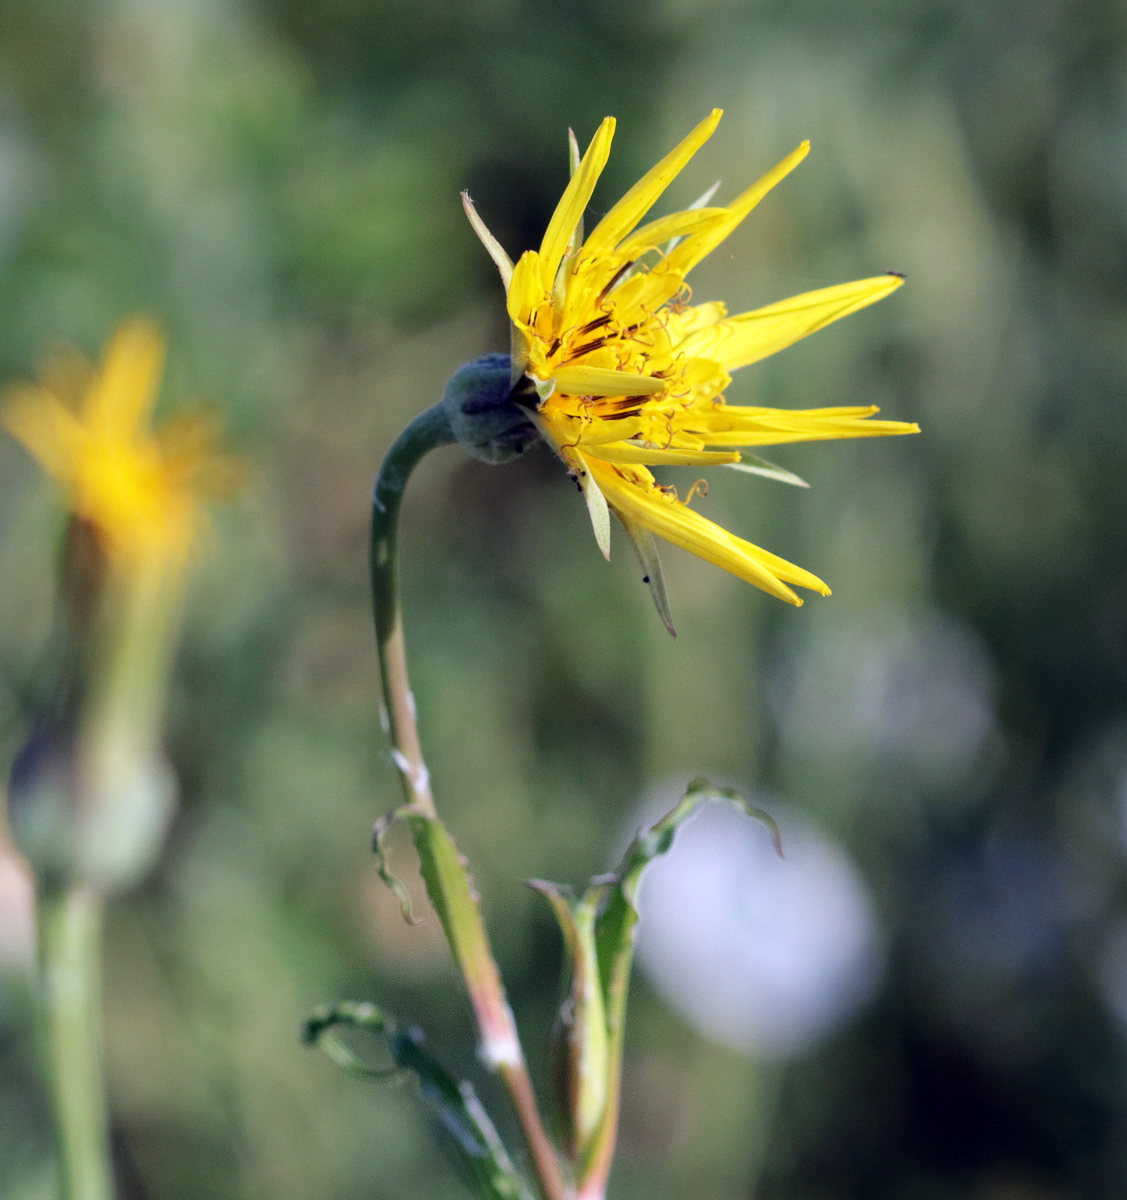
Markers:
point(732, 426)
point(125, 389)
point(752, 336)
point(573, 203)
point(51, 433)
point(674, 225)
point(647, 291)
point(693, 249)
point(697, 316)
point(680, 524)
point(641, 197)
point(631, 452)
point(574, 429)
point(598, 381)
point(525, 288)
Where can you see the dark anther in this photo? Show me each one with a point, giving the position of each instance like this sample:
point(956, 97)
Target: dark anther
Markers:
point(586, 348)
point(613, 280)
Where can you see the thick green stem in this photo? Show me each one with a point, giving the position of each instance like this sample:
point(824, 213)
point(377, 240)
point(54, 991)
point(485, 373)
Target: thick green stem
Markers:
point(448, 881)
point(70, 928)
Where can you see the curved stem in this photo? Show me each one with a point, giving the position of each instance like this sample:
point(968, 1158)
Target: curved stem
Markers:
point(427, 431)
point(70, 924)
point(442, 867)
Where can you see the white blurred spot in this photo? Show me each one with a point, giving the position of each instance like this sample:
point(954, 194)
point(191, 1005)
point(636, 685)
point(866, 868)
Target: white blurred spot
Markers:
point(763, 954)
point(916, 687)
point(17, 910)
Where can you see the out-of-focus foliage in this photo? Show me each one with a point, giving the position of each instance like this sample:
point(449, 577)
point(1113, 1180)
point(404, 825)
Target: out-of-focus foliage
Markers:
point(277, 182)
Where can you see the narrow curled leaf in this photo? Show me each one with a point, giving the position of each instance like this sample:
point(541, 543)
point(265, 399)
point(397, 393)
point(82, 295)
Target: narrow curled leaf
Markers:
point(453, 1102)
point(450, 889)
point(653, 842)
point(379, 832)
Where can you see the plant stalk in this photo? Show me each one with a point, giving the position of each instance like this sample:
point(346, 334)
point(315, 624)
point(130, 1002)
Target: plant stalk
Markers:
point(70, 941)
point(468, 939)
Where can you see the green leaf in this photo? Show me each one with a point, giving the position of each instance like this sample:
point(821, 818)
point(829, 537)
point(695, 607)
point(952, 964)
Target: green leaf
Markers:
point(614, 899)
point(451, 891)
point(581, 1043)
point(453, 1102)
point(382, 827)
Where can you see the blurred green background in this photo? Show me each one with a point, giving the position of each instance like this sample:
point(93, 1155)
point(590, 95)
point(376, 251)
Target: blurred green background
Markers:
point(278, 183)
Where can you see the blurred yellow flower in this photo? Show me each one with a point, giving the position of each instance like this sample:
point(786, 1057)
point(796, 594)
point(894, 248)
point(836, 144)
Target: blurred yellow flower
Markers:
point(89, 427)
point(629, 375)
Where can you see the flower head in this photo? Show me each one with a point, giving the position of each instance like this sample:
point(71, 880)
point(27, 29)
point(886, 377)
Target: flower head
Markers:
point(626, 374)
point(138, 489)
point(91, 794)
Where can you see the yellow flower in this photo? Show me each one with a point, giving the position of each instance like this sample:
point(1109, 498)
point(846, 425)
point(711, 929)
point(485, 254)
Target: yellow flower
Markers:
point(137, 488)
point(628, 374)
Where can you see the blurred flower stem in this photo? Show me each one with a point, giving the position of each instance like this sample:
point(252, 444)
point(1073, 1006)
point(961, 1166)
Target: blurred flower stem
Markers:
point(91, 795)
point(447, 878)
point(70, 927)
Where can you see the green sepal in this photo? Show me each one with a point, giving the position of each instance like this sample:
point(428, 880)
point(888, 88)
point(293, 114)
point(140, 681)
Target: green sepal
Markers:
point(454, 1102)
